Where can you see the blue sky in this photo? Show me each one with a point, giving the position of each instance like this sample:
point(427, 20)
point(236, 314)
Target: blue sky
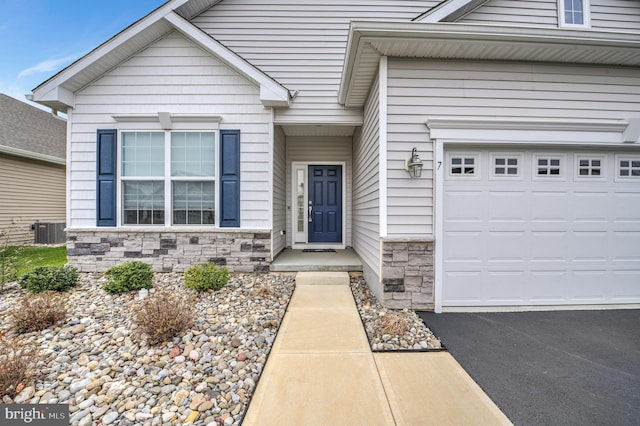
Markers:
point(40, 37)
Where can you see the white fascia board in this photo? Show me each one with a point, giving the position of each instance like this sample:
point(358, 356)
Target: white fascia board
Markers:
point(271, 93)
point(354, 47)
point(56, 94)
point(47, 90)
point(443, 10)
point(31, 155)
point(527, 131)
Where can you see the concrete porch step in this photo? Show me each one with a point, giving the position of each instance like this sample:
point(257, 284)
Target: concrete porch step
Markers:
point(343, 260)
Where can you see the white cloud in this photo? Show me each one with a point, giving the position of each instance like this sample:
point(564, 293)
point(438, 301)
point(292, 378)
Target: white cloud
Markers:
point(48, 66)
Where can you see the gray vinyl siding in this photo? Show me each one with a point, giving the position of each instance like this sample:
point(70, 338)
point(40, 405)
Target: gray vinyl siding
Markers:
point(176, 76)
point(366, 188)
point(320, 150)
point(615, 15)
point(418, 90)
point(29, 191)
point(301, 45)
point(279, 191)
point(607, 15)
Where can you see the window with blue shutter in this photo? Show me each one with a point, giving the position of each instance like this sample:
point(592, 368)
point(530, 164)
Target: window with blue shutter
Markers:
point(106, 178)
point(230, 178)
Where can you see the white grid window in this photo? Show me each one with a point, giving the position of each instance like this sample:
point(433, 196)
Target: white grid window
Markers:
point(574, 13)
point(548, 166)
point(506, 165)
point(462, 165)
point(590, 167)
point(629, 167)
point(180, 190)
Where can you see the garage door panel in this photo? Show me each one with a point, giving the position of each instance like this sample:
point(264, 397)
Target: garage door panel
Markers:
point(467, 205)
point(506, 287)
point(506, 246)
point(549, 246)
point(626, 247)
point(626, 288)
point(549, 206)
point(591, 207)
point(625, 206)
point(548, 286)
point(541, 240)
point(589, 286)
point(464, 288)
point(464, 247)
point(507, 206)
point(589, 246)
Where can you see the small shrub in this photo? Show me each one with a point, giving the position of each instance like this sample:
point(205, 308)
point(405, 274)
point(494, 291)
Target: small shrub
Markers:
point(392, 324)
point(206, 276)
point(17, 362)
point(49, 278)
point(37, 312)
point(163, 315)
point(132, 275)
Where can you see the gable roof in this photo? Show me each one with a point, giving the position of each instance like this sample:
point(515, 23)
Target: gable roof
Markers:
point(369, 40)
point(58, 92)
point(27, 131)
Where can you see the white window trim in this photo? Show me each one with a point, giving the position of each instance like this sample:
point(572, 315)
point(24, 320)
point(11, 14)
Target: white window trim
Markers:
point(603, 167)
point(506, 155)
point(630, 179)
point(586, 13)
point(168, 205)
point(477, 170)
point(549, 155)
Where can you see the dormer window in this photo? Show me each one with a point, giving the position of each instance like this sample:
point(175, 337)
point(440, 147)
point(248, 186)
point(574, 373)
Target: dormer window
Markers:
point(573, 13)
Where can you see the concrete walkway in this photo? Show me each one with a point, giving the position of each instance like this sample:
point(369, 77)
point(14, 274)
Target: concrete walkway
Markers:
point(321, 371)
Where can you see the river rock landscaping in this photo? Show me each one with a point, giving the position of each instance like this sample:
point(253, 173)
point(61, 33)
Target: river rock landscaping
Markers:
point(98, 363)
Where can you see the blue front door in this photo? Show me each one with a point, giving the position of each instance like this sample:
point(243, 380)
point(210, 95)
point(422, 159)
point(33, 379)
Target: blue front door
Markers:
point(325, 204)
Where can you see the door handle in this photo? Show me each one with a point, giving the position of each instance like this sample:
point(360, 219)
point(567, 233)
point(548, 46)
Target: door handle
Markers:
point(310, 216)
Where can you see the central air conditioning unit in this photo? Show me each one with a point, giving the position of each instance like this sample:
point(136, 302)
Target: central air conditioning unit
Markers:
point(49, 233)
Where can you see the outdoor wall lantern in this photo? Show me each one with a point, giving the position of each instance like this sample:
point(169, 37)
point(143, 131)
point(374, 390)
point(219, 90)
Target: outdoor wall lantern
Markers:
point(414, 164)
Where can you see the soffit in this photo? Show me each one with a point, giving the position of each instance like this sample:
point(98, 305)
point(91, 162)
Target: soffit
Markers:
point(370, 40)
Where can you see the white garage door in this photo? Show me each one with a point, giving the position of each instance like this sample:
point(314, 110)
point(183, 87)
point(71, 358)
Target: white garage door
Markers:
point(541, 228)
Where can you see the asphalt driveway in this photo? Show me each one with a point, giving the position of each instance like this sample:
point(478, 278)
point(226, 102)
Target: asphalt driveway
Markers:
point(551, 368)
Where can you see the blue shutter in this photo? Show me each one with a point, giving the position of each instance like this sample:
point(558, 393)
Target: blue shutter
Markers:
point(106, 178)
point(230, 178)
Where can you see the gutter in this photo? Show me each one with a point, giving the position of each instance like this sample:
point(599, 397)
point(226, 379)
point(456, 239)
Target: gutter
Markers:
point(32, 155)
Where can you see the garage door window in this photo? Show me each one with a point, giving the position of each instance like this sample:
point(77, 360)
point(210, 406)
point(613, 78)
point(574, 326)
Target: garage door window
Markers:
point(628, 167)
point(590, 167)
point(549, 166)
point(463, 165)
point(506, 165)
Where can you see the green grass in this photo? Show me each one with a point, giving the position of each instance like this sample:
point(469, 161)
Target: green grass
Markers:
point(27, 258)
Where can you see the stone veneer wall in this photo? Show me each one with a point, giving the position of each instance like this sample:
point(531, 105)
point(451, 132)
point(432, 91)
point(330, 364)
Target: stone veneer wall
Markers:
point(407, 275)
point(97, 251)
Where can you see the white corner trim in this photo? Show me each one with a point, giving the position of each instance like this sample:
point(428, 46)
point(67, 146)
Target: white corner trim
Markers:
point(438, 264)
point(271, 92)
point(528, 130)
point(382, 144)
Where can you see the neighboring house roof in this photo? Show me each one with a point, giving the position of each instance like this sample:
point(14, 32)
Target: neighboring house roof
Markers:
point(27, 131)
point(59, 91)
point(369, 40)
